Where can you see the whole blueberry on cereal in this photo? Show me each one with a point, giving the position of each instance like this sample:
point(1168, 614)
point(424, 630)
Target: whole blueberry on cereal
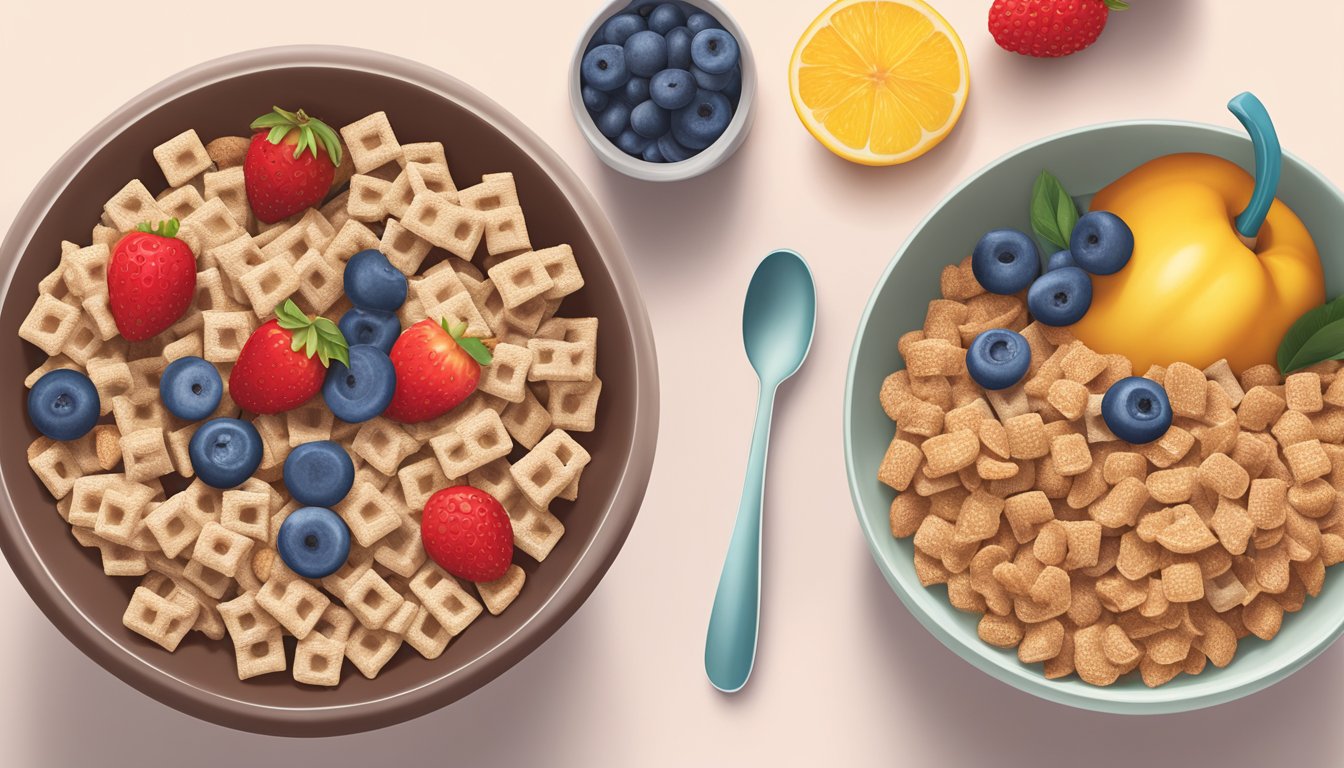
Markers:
point(375, 327)
point(224, 452)
point(319, 473)
point(645, 53)
point(714, 50)
point(679, 48)
point(672, 88)
point(699, 123)
point(671, 151)
point(666, 17)
point(1101, 243)
point(1005, 261)
point(313, 542)
point(603, 68)
point(1136, 410)
point(614, 119)
point(372, 282)
point(363, 389)
point(620, 27)
point(63, 404)
point(1059, 259)
point(631, 143)
point(699, 22)
point(191, 388)
point(650, 120)
point(1060, 297)
point(593, 99)
point(636, 90)
point(998, 358)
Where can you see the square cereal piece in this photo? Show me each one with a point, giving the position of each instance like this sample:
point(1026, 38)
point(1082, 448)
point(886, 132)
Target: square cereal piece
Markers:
point(312, 232)
point(179, 202)
point(1302, 392)
point(439, 593)
point(132, 416)
point(162, 620)
point(173, 525)
point(352, 237)
point(366, 201)
point(398, 196)
point(227, 186)
point(430, 152)
point(527, 420)
point(309, 423)
point(521, 278)
point(562, 360)
point(401, 551)
point(527, 317)
point(563, 269)
point(84, 342)
point(182, 157)
point(496, 190)
point(370, 650)
point(535, 531)
point(120, 516)
point(494, 478)
point(268, 284)
point(262, 656)
point(224, 334)
point(118, 560)
point(321, 281)
point(436, 286)
point(210, 225)
point(49, 324)
point(383, 444)
point(372, 600)
point(221, 549)
point(371, 142)
point(1187, 389)
point(1070, 454)
point(145, 375)
point(369, 514)
point(500, 593)
point(506, 376)
point(99, 312)
point(145, 455)
point(86, 270)
point(448, 226)
point(426, 635)
point(318, 656)
point(1221, 373)
point(248, 513)
point(403, 248)
point(1307, 460)
point(234, 259)
point(1259, 408)
point(472, 443)
point(573, 404)
point(130, 206)
point(399, 622)
point(506, 231)
point(420, 480)
point(549, 467)
point(294, 603)
point(432, 178)
point(1081, 364)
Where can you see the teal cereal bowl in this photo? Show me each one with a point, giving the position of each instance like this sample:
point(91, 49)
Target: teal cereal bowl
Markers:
point(1085, 160)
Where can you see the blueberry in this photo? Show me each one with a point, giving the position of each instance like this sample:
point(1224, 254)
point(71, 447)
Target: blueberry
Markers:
point(1136, 410)
point(603, 68)
point(631, 143)
point(671, 151)
point(190, 388)
point(225, 452)
point(1060, 297)
point(372, 282)
point(319, 474)
point(652, 153)
point(1059, 259)
point(1101, 243)
point(63, 404)
point(714, 50)
point(733, 90)
point(593, 99)
point(1005, 261)
point(313, 541)
point(363, 389)
point(699, 123)
point(666, 17)
point(672, 88)
point(636, 90)
point(998, 358)
point(679, 48)
point(650, 120)
point(711, 82)
point(614, 119)
point(699, 22)
point(645, 53)
point(370, 326)
point(620, 27)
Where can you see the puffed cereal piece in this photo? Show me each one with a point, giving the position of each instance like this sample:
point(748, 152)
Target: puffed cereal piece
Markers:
point(442, 597)
point(1069, 398)
point(1070, 455)
point(318, 656)
point(1302, 392)
point(369, 514)
point(371, 142)
point(220, 549)
point(546, 469)
point(1307, 460)
point(499, 594)
point(1259, 408)
point(1026, 436)
point(131, 205)
point(294, 603)
point(1186, 389)
point(164, 620)
point(473, 442)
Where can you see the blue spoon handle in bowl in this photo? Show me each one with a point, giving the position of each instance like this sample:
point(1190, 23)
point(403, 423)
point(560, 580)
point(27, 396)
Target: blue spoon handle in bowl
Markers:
point(730, 647)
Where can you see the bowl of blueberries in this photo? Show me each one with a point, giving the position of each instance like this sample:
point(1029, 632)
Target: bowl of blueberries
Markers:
point(663, 91)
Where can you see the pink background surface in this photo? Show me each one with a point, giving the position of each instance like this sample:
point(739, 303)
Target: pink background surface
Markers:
point(844, 672)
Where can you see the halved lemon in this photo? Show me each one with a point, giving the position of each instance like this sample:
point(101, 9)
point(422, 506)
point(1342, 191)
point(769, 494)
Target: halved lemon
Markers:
point(879, 82)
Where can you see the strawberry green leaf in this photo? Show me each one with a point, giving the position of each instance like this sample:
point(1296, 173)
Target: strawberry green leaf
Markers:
point(476, 348)
point(312, 132)
point(1053, 213)
point(310, 341)
point(312, 336)
point(278, 134)
point(1116, 5)
point(167, 228)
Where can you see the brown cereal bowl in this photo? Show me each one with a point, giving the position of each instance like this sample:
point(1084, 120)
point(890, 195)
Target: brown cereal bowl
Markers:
point(219, 98)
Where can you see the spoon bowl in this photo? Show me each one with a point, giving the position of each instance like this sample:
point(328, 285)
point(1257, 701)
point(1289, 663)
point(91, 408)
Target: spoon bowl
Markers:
point(779, 316)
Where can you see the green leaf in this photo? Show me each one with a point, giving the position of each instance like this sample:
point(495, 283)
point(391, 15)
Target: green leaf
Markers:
point(268, 120)
point(1117, 5)
point(1310, 339)
point(310, 341)
point(474, 347)
point(1053, 213)
point(278, 134)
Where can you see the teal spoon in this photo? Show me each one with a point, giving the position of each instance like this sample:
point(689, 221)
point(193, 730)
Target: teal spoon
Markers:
point(777, 324)
point(1268, 161)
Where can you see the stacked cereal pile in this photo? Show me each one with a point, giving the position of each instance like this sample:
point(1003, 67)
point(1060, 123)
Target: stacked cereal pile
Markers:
point(207, 556)
point(1090, 554)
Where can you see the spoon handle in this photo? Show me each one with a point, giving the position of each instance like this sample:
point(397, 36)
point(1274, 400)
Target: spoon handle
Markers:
point(730, 646)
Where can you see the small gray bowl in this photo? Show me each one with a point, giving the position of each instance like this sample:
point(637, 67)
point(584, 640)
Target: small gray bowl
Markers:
point(709, 158)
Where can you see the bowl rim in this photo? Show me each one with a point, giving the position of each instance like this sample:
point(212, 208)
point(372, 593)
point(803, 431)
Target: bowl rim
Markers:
point(1146, 701)
point(707, 159)
point(575, 586)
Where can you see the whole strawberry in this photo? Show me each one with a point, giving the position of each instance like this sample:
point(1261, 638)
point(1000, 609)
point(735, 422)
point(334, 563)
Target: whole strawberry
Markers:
point(1049, 28)
point(468, 533)
point(283, 363)
point(151, 280)
point(437, 368)
point(289, 164)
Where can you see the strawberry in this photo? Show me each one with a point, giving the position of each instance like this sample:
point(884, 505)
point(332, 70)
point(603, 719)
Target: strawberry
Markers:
point(285, 170)
point(151, 280)
point(1049, 28)
point(283, 363)
point(437, 368)
point(468, 533)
